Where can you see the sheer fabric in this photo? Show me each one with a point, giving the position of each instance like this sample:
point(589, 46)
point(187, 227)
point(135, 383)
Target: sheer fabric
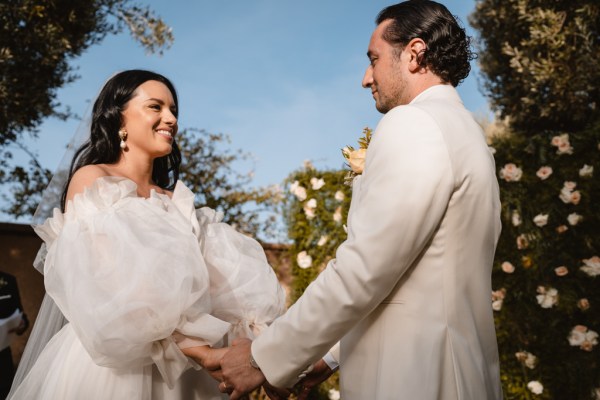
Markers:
point(138, 279)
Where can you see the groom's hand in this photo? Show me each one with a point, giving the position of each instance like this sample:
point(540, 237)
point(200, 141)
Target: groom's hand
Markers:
point(239, 377)
point(319, 373)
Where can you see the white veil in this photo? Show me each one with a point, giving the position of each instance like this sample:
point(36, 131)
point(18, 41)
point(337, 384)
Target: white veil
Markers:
point(49, 319)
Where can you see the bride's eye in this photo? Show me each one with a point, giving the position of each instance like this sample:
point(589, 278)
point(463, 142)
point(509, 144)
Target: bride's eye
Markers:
point(155, 107)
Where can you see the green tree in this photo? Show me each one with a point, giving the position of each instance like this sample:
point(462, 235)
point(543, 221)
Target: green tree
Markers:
point(39, 39)
point(540, 61)
point(209, 169)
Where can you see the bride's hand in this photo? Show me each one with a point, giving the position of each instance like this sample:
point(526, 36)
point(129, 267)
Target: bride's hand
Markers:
point(208, 358)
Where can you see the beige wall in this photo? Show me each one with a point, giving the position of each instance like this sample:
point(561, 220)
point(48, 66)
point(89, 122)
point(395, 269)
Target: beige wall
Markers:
point(19, 245)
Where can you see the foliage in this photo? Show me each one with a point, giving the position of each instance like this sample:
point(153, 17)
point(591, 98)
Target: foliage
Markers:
point(39, 38)
point(542, 72)
point(208, 170)
point(315, 210)
point(544, 254)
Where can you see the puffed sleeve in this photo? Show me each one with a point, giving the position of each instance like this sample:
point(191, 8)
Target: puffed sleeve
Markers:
point(244, 289)
point(127, 272)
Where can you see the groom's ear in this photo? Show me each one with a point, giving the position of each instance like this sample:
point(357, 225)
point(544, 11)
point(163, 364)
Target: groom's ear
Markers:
point(416, 50)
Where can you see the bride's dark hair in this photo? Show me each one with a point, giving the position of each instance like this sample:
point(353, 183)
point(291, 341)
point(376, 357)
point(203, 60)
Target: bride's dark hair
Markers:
point(102, 147)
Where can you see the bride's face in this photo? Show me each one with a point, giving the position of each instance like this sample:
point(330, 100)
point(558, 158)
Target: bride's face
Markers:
point(150, 121)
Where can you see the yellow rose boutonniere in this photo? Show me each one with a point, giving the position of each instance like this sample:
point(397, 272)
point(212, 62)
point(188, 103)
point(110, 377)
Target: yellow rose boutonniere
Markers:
point(355, 158)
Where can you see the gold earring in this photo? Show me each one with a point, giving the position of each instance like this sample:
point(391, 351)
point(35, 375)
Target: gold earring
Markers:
point(123, 136)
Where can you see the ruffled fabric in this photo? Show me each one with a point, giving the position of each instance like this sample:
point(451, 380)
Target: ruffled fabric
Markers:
point(138, 278)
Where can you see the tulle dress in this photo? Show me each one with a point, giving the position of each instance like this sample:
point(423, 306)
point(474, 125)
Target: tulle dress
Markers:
point(138, 279)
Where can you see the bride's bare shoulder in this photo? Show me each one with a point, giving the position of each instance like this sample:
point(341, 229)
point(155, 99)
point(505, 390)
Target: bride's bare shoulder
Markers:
point(85, 177)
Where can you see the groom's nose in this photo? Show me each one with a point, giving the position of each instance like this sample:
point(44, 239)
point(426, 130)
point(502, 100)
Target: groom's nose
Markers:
point(368, 78)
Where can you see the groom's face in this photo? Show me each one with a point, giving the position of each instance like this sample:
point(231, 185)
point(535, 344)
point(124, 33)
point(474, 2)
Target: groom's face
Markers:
point(384, 74)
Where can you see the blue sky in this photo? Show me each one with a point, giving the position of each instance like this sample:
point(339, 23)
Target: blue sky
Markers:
point(282, 78)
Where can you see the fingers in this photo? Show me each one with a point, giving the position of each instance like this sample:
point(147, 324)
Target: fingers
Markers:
point(304, 392)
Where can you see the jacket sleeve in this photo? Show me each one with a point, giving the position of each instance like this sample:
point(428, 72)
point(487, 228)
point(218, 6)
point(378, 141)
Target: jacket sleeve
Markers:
point(404, 193)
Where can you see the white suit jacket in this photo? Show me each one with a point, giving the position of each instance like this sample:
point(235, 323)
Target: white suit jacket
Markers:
point(409, 293)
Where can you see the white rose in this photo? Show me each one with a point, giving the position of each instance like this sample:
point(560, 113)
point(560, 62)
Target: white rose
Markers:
point(304, 260)
point(592, 266)
point(337, 215)
point(541, 219)
point(356, 160)
point(511, 173)
point(317, 183)
point(577, 335)
point(562, 143)
point(309, 208)
point(299, 192)
point(535, 387)
point(508, 267)
point(544, 172)
point(528, 359)
point(574, 218)
point(516, 218)
point(339, 195)
point(547, 297)
point(586, 171)
point(498, 299)
point(333, 394)
point(322, 240)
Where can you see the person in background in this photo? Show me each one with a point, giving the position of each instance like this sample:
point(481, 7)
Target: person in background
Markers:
point(10, 304)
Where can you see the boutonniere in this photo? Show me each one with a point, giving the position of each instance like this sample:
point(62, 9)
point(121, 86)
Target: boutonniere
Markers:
point(355, 158)
point(3, 282)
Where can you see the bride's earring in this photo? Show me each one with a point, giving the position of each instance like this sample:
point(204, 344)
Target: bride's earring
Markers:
point(123, 136)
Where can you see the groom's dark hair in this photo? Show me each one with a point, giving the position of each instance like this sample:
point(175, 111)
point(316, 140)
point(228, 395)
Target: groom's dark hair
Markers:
point(448, 52)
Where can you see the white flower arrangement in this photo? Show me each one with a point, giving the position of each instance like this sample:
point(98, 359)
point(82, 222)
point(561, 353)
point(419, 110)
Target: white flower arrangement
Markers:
point(511, 173)
point(547, 297)
point(592, 266)
point(535, 387)
point(304, 260)
point(562, 144)
point(582, 337)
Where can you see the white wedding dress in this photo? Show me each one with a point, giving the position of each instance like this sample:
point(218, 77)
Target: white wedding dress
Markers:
point(138, 279)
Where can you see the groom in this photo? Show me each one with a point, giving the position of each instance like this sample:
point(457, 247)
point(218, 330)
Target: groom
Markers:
point(408, 295)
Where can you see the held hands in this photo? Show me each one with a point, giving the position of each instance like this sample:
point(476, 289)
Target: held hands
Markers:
point(239, 377)
point(208, 358)
point(319, 373)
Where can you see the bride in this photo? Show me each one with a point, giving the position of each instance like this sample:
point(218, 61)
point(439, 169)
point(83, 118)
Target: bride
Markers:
point(137, 272)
